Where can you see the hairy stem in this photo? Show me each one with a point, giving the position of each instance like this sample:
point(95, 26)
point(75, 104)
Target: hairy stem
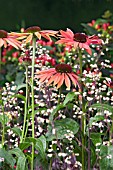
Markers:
point(83, 118)
point(26, 107)
point(32, 93)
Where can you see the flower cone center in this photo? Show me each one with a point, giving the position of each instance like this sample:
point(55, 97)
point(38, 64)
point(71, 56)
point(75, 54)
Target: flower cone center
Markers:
point(79, 37)
point(3, 34)
point(63, 68)
point(32, 29)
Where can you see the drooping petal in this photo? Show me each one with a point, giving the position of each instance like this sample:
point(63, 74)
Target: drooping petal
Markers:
point(1, 42)
point(11, 43)
point(57, 79)
point(44, 77)
point(73, 79)
point(29, 38)
point(46, 71)
point(38, 35)
point(67, 81)
point(51, 79)
point(61, 81)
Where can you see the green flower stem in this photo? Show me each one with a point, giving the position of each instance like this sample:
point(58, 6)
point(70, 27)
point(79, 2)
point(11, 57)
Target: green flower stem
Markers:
point(83, 118)
point(111, 131)
point(27, 123)
point(26, 107)
point(32, 93)
point(0, 58)
point(3, 131)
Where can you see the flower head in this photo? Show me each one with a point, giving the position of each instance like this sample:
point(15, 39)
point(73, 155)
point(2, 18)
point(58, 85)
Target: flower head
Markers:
point(5, 38)
point(34, 31)
point(78, 40)
point(62, 73)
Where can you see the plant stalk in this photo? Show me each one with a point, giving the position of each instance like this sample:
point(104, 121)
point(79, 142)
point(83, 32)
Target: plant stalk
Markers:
point(32, 93)
point(3, 131)
point(83, 118)
point(26, 107)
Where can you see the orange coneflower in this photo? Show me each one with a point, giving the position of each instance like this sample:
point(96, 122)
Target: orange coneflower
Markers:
point(6, 38)
point(58, 75)
point(36, 31)
point(80, 40)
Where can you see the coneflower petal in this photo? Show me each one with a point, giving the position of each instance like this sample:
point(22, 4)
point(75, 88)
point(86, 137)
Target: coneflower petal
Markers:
point(61, 81)
point(11, 43)
point(29, 38)
point(45, 76)
point(1, 42)
point(51, 79)
point(57, 78)
point(73, 79)
point(46, 71)
point(67, 81)
point(38, 35)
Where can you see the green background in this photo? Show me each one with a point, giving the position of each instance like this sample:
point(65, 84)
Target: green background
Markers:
point(50, 14)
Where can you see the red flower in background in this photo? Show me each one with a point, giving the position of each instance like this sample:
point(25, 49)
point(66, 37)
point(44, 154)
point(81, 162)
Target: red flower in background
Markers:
point(62, 73)
point(78, 40)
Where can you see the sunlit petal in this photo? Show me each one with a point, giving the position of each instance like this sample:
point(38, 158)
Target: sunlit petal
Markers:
point(1, 42)
point(67, 82)
point(61, 81)
point(29, 38)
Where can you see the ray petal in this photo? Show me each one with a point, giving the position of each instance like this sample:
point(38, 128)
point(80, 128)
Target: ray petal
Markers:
point(57, 79)
point(67, 82)
point(51, 79)
point(45, 76)
point(1, 42)
point(29, 38)
point(11, 43)
point(73, 79)
point(46, 71)
point(61, 81)
point(38, 35)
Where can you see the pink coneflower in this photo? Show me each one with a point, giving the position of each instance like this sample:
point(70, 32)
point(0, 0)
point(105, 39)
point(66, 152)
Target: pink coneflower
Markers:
point(36, 31)
point(6, 38)
point(62, 73)
point(78, 40)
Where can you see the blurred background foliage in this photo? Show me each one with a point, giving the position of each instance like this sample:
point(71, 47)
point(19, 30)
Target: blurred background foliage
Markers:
point(50, 14)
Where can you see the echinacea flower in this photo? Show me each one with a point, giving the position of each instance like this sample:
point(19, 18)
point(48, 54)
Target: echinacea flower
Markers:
point(36, 31)
point(78, 40)
point(62, 73)
point(6, 38)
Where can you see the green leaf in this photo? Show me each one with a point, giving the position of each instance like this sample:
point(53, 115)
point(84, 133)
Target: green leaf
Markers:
point(16, 130)
point(19, 96)
point(19, 78)
point(21, 163)
point(106, 161)
point(43, 139)
point(58, 107)
point(89, 29)
point(95, 119)
point(69, 97)
point(7, 157)
point(4, 119)
point(17, 152)
point(40, 146)
point(24, 145)
point(20, 86)
point(103, 107)
point(30, 140)
point(96, 138)
point(61, 127)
